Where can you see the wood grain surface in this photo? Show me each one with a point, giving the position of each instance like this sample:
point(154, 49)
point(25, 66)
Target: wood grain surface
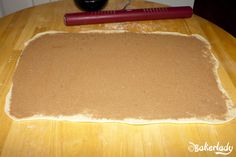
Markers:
point(70, 139)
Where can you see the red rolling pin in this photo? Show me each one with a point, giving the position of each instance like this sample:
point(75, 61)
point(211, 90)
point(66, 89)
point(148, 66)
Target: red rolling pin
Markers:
point(82, 18)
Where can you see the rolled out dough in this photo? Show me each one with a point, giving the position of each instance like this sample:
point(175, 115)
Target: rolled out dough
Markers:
point(113, 76)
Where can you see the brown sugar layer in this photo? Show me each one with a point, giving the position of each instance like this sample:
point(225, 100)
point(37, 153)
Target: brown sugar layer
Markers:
point(117, 76)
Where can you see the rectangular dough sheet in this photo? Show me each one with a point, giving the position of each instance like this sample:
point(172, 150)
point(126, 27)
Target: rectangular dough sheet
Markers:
point(118, 77)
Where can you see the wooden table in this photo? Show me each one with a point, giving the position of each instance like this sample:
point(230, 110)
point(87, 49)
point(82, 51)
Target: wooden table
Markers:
point(58, 138)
